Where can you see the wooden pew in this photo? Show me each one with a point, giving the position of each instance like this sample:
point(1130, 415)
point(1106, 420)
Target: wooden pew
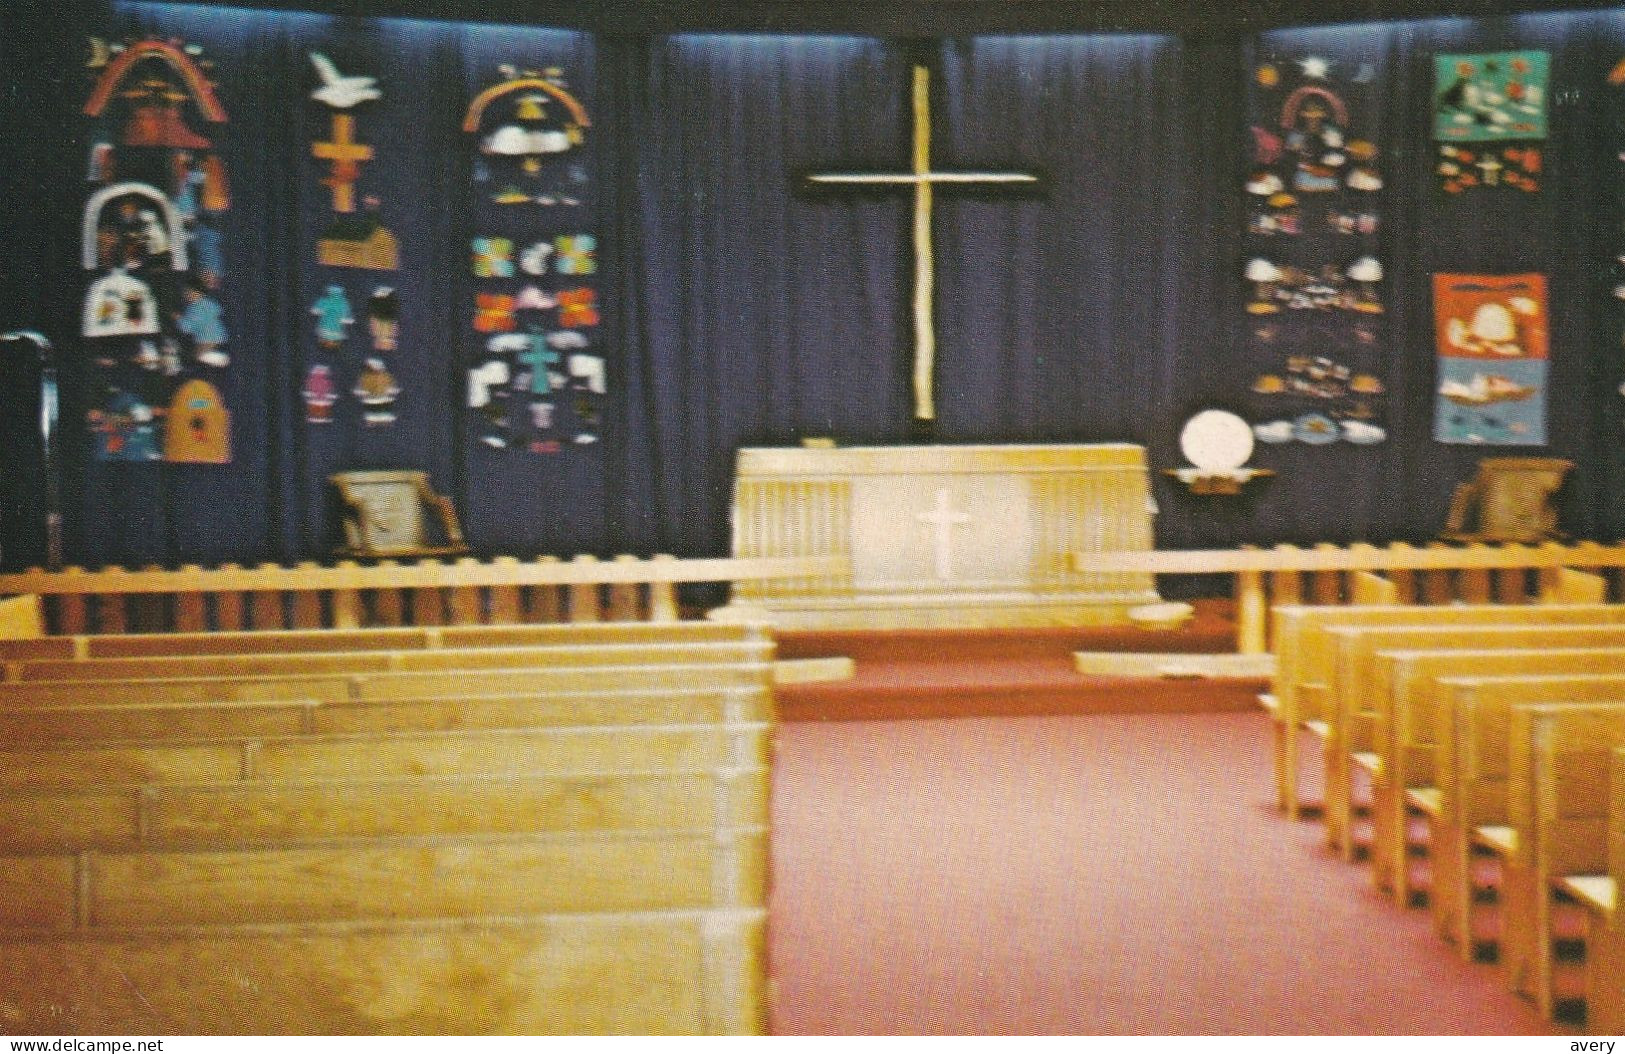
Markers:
point(407, 877)
point(382, 755)
point(1305, 658)
point(1557, 802)
point(555, 656)
point(1473, 743)
point(1605, 942)
point(1354, 709)
point(216, 845)
point(260, 642)
point(204, 720)
point(21, 617)
point(1408, 707)
point(528, 975)
point(339, 687)
point(124, 817)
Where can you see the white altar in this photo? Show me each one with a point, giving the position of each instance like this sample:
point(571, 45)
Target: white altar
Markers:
point(965, 536)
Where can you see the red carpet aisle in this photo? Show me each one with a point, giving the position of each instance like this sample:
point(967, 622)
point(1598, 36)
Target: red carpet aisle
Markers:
point(1086, 874)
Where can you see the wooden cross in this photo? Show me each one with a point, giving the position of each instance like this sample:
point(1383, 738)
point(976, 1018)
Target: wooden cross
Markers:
point(922, 177)
point(944, 520)
point(346, 156)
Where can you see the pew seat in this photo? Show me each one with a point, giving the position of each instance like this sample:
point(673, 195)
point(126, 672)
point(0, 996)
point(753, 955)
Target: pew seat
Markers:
point(1499, 838)
point(1598, 893)
point(1425, 799)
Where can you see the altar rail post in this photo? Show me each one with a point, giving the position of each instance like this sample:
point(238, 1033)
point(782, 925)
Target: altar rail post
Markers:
point(349, 595)
point(1586, 572)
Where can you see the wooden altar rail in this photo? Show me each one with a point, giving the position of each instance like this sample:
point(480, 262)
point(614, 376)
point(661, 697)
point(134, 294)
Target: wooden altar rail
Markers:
point(1586, 572)
point(388, 593)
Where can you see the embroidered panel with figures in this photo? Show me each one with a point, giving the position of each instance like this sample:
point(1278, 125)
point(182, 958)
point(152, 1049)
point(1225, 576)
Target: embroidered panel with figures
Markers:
point(1314, 335)
point(535, 368)
point(1614, 103)
point(1493, 344)
point(155, 333)
point(1489, 114)
point(353, 254)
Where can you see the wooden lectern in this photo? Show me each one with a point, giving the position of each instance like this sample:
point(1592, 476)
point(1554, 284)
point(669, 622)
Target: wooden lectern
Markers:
point(1510, 500)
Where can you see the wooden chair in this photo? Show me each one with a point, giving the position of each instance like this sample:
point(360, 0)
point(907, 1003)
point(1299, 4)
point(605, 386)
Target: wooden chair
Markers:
point(384, 515)
point(1510, 500)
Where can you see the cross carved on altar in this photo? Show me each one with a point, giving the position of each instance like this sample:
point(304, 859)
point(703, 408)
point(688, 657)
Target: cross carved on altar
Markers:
point(345, 155)
point(943, 519)
point(922, 178)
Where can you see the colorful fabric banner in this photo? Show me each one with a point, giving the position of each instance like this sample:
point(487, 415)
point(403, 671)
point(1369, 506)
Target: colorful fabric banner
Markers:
point(156, 333)
point(1492, 336)
point(1483, 98)
point(1486, 109)
point(1315, 314)
point(533, 265)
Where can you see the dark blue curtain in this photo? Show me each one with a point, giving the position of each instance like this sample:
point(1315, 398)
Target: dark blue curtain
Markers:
point(1061, 315)
point(765, 314)
point(1085, 313)
point(740, 309)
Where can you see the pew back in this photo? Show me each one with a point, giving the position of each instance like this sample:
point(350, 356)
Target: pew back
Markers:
point(1409, 712)
point(645, 973)
point(379, 686)
point(1557, 799)
point(1305, 656)
point(77, 818)
point(530, 790)
point(1357, 703)
point(339, 757)
point(186, 721)
point(418, 877)
point(555, 656)
point(1605, 946)
point(1471, 772)
point(1616, 818)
